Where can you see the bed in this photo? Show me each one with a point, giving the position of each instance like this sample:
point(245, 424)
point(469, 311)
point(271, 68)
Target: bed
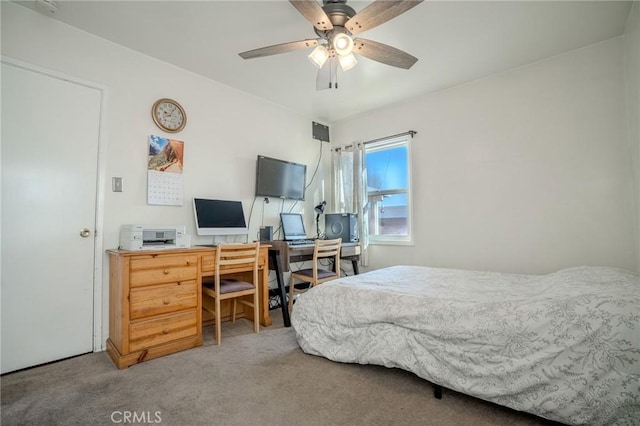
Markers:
point(563, 346)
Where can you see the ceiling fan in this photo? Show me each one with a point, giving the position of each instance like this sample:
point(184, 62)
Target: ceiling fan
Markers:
point(336, 23)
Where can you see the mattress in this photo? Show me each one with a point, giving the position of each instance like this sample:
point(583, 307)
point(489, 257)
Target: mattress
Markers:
point(563, 346)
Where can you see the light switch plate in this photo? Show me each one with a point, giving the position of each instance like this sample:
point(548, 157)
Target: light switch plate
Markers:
point(116, 184)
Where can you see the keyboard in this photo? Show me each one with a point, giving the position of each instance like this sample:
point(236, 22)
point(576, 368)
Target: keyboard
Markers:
point(301, 242)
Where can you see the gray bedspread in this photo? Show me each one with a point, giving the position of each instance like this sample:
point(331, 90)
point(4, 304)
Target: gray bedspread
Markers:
point(564, 346)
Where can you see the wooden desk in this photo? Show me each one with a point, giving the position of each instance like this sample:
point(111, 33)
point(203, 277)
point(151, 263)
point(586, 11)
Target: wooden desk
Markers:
point(155, 300)
point(281, 255)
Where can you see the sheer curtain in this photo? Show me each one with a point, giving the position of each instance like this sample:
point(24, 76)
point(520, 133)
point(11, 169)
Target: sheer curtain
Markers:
point(350, 190)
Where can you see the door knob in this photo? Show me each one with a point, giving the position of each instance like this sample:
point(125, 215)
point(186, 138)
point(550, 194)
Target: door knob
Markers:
point(84, 233)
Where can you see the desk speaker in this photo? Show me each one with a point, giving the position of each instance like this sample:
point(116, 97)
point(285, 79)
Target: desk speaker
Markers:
point(266, 233)
point(341, 225)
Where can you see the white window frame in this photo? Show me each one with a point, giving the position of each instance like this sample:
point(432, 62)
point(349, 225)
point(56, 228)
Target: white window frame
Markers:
point(379, 145)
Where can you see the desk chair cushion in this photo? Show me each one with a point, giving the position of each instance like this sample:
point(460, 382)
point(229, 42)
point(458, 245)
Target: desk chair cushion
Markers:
point(230, 285)
point(322, 273)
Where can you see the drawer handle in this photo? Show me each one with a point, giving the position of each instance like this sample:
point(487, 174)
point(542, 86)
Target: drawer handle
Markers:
point(165, 331)
point(166, 272)
point(166, 301)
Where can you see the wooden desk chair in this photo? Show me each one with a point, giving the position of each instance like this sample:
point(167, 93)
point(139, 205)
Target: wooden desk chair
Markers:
point(230, 257)
point(315, 275)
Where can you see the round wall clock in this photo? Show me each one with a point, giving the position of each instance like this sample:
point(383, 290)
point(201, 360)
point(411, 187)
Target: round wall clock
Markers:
point(169, 115)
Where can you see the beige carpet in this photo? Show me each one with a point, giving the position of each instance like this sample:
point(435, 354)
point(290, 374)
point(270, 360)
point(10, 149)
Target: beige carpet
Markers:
point(250, 379)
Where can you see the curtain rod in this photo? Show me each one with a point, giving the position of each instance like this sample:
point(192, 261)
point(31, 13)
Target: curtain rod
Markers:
point(408, 132)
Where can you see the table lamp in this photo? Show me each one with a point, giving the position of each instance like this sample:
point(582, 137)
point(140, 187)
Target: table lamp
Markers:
point(319, 210)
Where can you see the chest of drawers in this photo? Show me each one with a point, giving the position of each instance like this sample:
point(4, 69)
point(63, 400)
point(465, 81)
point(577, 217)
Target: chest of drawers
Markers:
point(155, 304)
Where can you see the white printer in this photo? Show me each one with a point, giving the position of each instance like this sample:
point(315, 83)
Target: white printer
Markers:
point(141, 237)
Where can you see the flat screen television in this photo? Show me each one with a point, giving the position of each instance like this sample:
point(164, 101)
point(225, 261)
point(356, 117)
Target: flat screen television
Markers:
point(281, 179)
point(219, 217)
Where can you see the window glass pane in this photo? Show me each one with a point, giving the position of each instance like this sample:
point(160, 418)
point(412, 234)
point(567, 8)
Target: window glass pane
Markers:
point(388, 215)
point(387, 169)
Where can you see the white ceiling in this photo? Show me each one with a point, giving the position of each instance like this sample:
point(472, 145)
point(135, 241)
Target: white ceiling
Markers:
point(455, 41)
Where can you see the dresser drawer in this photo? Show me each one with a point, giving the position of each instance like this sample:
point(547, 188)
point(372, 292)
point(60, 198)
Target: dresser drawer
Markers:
point(162, 261)
point(148, 270)
point(162, 299)
point(151, 332)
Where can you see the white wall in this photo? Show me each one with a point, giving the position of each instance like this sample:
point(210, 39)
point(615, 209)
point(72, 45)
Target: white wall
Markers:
point(632, 63)
point(225, 132)
point(526, 171)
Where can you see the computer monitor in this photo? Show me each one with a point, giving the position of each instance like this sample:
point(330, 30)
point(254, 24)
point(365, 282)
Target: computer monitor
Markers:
point(219, 217)
point(293, 226)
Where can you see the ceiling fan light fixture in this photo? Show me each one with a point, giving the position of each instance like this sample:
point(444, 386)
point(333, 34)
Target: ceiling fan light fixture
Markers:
point(342, 44)
point(347, 61)
point(337, 27)
point(319, 56)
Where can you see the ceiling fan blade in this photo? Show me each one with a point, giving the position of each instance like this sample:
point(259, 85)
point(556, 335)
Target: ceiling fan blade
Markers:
point(279, 48)
point(383, 53)
point(311, 10)
point(378, 12)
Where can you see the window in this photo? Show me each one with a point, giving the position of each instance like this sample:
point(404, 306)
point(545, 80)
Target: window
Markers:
point(389, 190)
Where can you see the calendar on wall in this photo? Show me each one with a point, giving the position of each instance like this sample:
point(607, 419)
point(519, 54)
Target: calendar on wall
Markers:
point(164, 171)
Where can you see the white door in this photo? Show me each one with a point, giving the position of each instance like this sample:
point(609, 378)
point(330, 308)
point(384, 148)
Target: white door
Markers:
point(50, 134)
